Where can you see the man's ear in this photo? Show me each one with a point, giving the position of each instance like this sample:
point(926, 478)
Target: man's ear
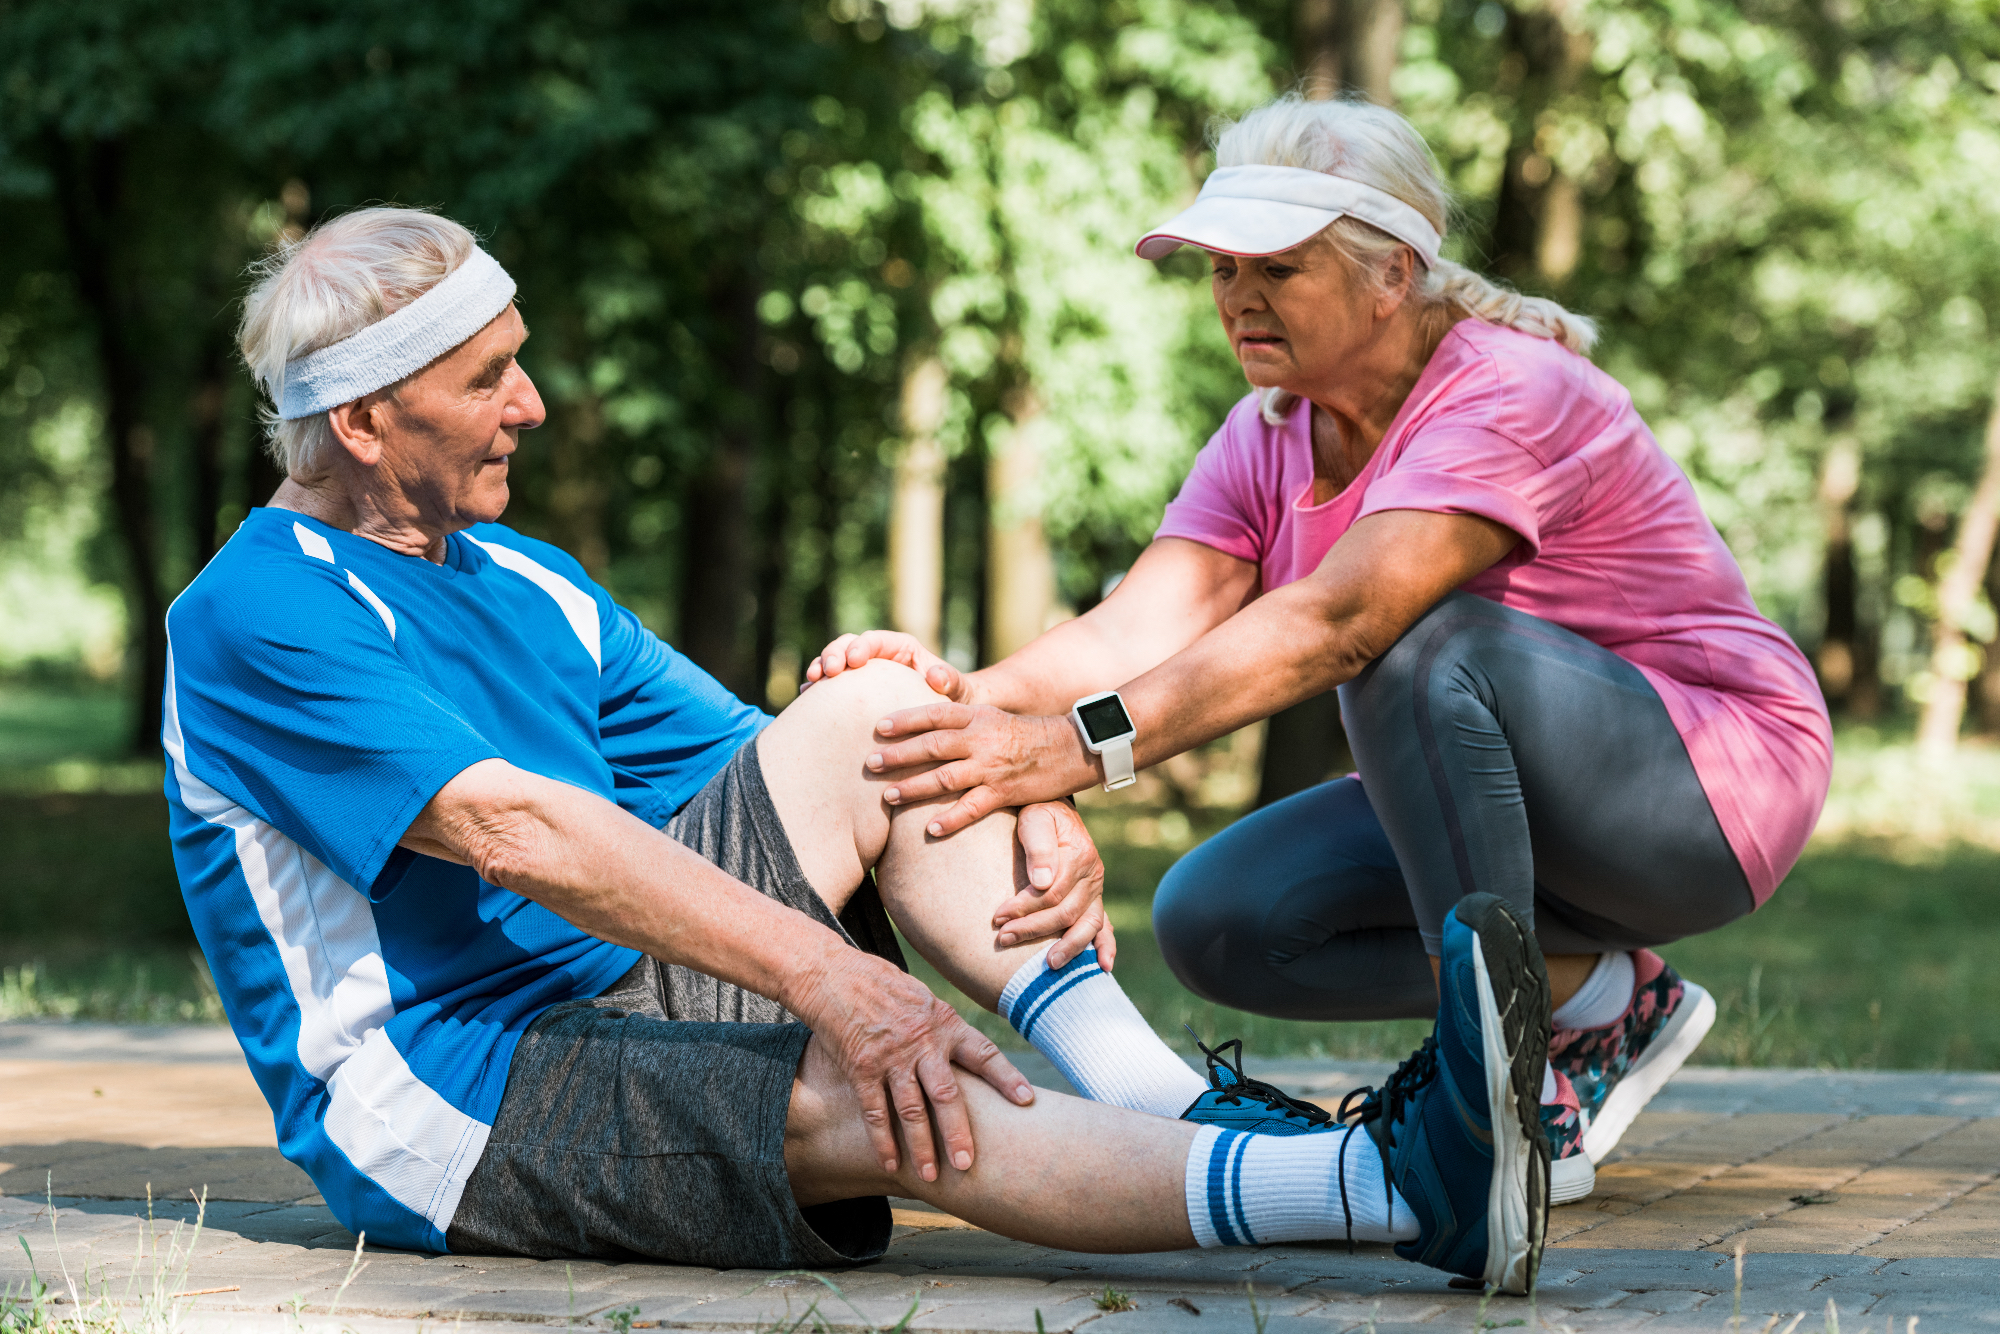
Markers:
point(358, 427)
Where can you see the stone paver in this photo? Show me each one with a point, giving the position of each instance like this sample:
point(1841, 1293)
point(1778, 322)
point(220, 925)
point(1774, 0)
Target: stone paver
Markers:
point(1878, 1192)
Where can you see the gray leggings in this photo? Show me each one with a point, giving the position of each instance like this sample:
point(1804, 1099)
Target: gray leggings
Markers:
point(1503, 754)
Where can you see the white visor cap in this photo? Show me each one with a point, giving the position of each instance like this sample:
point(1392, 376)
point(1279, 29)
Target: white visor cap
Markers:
point(1265, 210)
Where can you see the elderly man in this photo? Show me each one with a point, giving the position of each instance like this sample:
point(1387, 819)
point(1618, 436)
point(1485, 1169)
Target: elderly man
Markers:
point(540, 942)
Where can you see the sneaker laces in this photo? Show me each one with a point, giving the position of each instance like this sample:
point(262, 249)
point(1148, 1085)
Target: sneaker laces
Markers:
point(1239, 1087)
point(1384, 1104)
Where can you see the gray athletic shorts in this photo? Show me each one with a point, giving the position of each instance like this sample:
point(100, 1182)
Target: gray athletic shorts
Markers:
point(649, 1122)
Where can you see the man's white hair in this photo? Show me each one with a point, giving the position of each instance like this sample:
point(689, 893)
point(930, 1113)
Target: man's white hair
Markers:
point(336, 280)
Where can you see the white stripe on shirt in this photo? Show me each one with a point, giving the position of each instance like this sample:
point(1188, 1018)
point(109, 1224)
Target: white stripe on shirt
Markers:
point(398, 1131)
point(577, 605)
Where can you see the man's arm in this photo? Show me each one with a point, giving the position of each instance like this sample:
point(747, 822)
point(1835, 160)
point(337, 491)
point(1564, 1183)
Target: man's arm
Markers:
point(614, 876)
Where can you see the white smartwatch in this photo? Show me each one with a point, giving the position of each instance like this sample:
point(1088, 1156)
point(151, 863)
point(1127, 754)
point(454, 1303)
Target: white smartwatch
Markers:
point(1107, 733)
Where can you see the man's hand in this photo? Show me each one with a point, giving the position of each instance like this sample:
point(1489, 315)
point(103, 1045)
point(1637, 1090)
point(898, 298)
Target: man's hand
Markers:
point(854, 650)
point(1065, 891)
point(897, 1043)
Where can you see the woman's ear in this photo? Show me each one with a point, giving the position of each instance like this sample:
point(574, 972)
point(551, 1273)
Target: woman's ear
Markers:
point(358, 428)
point(1398, 279)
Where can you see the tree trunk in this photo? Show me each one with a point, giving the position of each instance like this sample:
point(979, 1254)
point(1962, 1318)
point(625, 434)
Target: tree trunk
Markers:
point(1538, 227)
point(1987, 710)
point(1350, 46)
point(1844, 678)
point(715, 516)
point(1020, 572)
point(576, 490)
point(205, 415)
point(1303, 746)
point(774, 521)
point(89, 180)
point(1953, 660)
point(916, 510)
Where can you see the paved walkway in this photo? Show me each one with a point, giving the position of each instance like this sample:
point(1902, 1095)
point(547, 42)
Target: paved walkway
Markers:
point(1879, 1193)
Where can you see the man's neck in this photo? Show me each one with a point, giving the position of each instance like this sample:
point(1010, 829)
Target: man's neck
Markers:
point(337, 507)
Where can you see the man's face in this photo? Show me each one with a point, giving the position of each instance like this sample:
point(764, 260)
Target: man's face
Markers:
point(446, 433)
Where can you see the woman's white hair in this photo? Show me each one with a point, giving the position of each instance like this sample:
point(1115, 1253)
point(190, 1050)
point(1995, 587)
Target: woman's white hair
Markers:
point(1377, 147)
point(331, 283)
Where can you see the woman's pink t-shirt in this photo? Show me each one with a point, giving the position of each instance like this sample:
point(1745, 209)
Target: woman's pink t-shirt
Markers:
point(1614, 547)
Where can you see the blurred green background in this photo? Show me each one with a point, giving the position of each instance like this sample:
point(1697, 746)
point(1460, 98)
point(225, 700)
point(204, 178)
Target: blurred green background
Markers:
point(835, 311)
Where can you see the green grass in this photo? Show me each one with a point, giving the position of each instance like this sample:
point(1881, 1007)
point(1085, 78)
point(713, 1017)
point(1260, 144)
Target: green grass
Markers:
point(1876, 952)
point(1867, 957)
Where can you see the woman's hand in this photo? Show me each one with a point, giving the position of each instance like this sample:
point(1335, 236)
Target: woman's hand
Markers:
point(854, 650)
point(897, 1043)
point(996, 759)
point(1065, 893)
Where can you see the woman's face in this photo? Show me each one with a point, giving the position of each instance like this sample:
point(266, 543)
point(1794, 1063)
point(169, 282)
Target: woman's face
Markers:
point(1296, 319)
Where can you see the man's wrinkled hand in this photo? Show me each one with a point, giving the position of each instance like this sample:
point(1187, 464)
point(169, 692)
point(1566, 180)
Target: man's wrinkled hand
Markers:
point(897, 1044)
point(1065, 891)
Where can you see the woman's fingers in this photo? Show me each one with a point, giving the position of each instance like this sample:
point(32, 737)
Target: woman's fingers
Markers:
point(926, 718)
point(1049, 921)
point(946, 679)
point(967, 811)
point(1041, 845)
point(1107, 945)
point(890, 644)
point(832, 660)
point(1078, 938)
point(939, 782)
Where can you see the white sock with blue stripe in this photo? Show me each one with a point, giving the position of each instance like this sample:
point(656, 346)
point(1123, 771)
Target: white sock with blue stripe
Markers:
point(1253, 1190)
point(1081, 1019)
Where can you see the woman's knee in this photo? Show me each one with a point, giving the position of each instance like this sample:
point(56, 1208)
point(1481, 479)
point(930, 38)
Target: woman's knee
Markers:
point(1197, 909)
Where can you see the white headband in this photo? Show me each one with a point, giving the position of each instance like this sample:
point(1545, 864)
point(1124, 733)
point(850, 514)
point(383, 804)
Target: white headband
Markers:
point(405, 342)
point(1265, 210)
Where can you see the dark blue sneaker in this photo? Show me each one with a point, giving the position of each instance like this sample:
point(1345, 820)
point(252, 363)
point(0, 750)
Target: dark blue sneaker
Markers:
point(1234, 1101)
point(1459, 1123)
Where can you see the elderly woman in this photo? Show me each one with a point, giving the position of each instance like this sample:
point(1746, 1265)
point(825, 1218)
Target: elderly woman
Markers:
point(1556, 685)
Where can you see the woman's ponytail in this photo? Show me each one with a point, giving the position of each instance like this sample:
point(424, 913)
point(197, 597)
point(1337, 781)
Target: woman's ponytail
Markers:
point(1496, 303)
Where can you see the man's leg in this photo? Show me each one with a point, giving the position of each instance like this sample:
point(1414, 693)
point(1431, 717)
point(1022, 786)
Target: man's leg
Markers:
point(943, 892)
point(1084, 1176)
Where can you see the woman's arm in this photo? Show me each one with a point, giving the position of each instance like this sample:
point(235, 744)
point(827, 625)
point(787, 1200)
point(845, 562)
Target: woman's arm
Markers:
point(1176, 592)
point(1290, 644)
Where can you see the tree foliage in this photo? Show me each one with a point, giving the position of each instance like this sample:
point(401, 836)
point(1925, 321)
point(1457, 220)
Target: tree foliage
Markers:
point(738, 227)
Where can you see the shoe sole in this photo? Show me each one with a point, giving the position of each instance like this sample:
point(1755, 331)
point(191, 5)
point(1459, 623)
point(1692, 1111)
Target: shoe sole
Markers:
point(1661, 1060)
point(1571, 1179)
point(1514, 1052)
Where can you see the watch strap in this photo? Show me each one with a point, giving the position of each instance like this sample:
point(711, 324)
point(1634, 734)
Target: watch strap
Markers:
point(1117, 757)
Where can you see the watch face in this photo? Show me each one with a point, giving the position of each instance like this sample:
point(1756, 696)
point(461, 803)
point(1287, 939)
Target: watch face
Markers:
point(1104, 719)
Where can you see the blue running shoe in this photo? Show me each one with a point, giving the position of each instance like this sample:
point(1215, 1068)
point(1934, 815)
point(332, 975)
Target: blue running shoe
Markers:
point(1460, 1123)
point(1234, 1101)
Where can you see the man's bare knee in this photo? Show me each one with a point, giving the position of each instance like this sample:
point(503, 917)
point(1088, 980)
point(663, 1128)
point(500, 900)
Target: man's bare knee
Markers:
point(866, 694)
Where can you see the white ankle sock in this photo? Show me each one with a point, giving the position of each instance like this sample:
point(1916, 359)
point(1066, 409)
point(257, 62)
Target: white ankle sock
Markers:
point(1252, 1190)
point(1081, 1019)
point(1604, 996)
